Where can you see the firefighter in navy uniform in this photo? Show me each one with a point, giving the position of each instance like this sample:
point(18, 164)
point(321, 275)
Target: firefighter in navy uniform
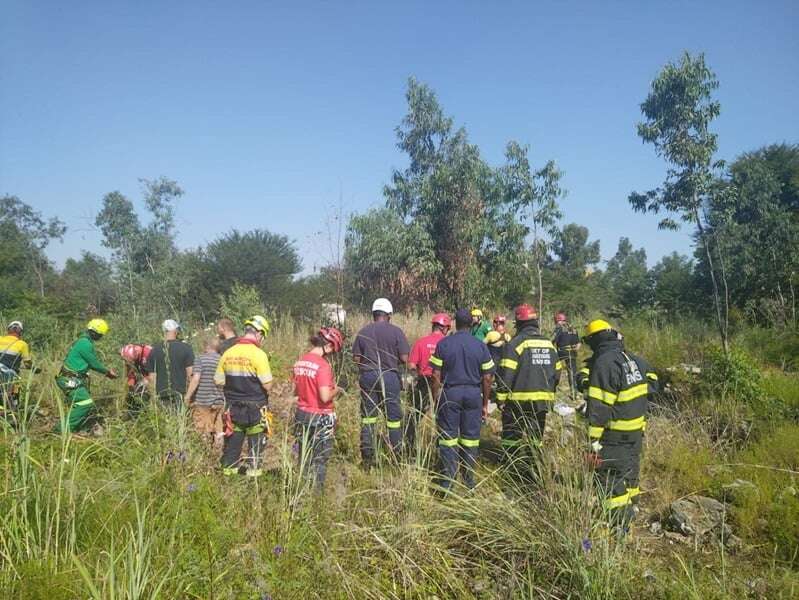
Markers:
point(619, 385)
point(528, 376)
point(464, 369)
point(567, 342)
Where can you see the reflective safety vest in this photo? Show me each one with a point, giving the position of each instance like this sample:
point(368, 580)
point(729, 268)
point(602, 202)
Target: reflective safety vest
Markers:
point(14, 352)
point(529, 370)
point(619, 384)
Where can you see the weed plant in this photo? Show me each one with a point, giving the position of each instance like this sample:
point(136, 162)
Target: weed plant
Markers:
point(143, 511)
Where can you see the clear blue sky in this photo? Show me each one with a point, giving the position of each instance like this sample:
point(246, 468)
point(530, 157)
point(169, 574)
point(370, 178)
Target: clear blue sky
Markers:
point(264, 113)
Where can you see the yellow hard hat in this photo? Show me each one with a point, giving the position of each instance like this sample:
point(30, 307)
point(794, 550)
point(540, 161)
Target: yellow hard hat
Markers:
point(492, 337)
point(476, 312)
point(596, 326)
point(258, 323)
point(98, 326)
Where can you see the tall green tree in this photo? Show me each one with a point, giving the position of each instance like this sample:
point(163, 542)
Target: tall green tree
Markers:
point(673, 284)
point(34, 232)
point(628, 277)
point(384, 255)
point(122, 233)
point(574, 255)
point(17, 281)
point(445, 189)
point(755, 217)
point(533, 194)
point(677, 115)
point(145, 256)
point(86, 285)
point(571, 271)
point(259, 259)
point(470, 221)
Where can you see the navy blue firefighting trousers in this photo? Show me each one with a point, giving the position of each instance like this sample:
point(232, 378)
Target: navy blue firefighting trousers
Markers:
point(459, 415)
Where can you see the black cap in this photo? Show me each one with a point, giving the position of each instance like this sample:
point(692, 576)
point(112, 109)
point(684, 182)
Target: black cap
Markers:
point(463, 318)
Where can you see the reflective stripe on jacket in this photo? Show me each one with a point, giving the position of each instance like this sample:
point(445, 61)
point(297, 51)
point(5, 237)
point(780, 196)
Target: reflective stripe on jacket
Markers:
point(619, 384)
point(529, 370)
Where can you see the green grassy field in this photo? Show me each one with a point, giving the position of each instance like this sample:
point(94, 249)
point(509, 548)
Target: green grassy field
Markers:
point(111, 517)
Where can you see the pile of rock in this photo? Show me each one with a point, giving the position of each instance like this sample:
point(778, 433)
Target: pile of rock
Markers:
point(697, 519)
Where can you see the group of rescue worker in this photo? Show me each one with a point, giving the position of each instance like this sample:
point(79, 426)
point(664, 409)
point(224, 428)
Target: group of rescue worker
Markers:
point(460, 373)
point(456, 375)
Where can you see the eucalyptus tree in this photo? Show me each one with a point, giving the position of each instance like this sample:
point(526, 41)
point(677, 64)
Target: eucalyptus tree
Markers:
point(533, 195)
point(35, 233)
point(678, 112)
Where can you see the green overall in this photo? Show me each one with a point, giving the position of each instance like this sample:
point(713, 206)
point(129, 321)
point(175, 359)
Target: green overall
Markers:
point(481, 330)
point(73, 380)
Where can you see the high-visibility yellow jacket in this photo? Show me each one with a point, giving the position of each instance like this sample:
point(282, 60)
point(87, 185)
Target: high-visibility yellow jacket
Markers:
point(14, 352)
point(619, 385)
point(529, 370)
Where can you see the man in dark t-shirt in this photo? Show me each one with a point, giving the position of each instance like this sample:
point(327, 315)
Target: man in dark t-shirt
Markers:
point(378, 350)
point(170, 366)
point(227, 335)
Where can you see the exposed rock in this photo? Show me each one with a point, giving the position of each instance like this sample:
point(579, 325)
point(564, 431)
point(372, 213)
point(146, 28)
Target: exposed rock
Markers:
point(724, 535)
point(676, 537)
point(703, 519)
point(738, 489)
point(655, 528)
point(695, 515)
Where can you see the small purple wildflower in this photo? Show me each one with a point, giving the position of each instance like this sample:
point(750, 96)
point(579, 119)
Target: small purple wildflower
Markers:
point(192, 487)
point(277, 550)
point(587, 545)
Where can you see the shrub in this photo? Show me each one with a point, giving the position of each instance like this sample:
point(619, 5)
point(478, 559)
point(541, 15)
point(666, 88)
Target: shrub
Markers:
point(768, 511)
point(774, 347)
point(241, 303)
point(735, 375)
point(735, 386)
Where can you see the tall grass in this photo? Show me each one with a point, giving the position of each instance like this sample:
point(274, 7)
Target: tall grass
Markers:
point(111, 517)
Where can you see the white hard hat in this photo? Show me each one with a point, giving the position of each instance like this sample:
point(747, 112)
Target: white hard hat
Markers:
point(15, 325)
point(383, 305)
point(170, 325)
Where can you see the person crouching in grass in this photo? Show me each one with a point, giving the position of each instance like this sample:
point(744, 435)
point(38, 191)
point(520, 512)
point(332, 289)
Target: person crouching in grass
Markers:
point(315, 417)
point(204, 397)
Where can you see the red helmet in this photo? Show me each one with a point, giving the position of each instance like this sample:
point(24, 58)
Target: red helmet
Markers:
point(332, 336)
point(135, 353)
point(500, 319)
point(131, 352)
point(441, 319)
point(525, 312)
point(560, 317)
